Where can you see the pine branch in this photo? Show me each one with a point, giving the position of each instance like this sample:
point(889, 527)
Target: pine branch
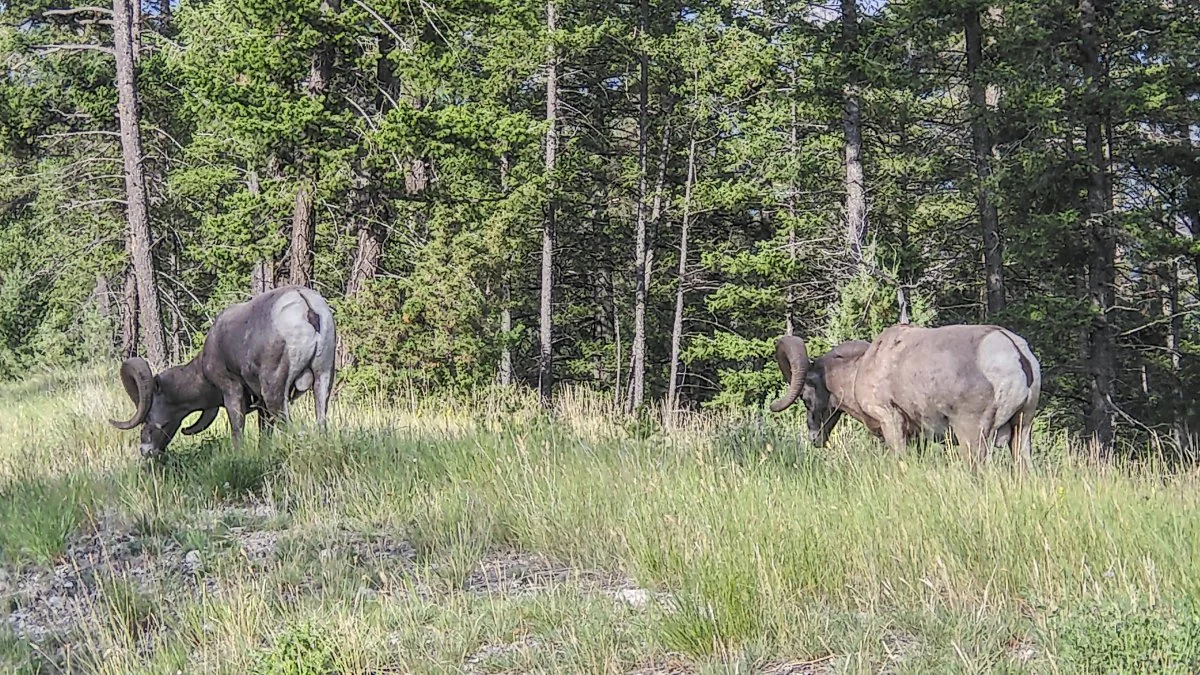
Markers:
point(51, 49)
point(71, 11)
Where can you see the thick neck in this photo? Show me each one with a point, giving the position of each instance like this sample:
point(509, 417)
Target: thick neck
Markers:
point(187, 384)
point(841, 384)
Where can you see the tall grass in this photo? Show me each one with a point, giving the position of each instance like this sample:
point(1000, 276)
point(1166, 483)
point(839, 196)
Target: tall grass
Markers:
point(759, 549)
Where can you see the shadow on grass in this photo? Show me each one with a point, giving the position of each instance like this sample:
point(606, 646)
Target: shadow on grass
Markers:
point(214, 467)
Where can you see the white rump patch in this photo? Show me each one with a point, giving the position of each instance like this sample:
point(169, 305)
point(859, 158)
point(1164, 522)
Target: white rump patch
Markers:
point(1000, 362)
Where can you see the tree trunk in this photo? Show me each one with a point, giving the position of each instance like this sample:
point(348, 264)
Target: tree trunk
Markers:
point(139, 242)
point(981, 137)
point(176, 341)
point(506, 362)
point(370, 234)
point(1101, 341)
point(262, 275)
point(505, 374)
point(129, 316)
point(1171, 312)
point(135, 28)
point(545, 333)
point(677, 323)
point(301, 262)
point(100, 296)
point(637, 379)
point(789, 319)
point(856, 195)
point(366, 258)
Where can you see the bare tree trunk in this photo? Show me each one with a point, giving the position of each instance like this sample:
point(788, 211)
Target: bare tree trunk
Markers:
point(366, 258)
point(993, 253)
point(545, 333)
point(637, 380)
point(505, 375)
point(677, 323)
point(506, 361)
point(139, 243)
point(301, 263)
point(135, 28)
point(129, 316)
point(617, 358)
point(789, 319)
point(262, 275)
point(1101, 365)
point(371, 235)
point(100, 296)
point(176, 341)
point(856, 195)
point(1174, 316)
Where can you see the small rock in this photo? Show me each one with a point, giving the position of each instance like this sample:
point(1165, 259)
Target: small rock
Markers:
point(191, 561)
point(637, 598)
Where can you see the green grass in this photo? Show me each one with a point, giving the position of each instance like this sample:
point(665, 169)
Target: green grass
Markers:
point(368, 549)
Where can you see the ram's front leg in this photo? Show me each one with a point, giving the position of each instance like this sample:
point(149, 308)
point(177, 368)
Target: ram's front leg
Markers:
point(891, 426)
point(235, 407)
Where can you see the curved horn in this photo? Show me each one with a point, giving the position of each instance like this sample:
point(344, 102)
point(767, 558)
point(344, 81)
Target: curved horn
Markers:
point(139, 384)
point(792, 356)
point(206, 418)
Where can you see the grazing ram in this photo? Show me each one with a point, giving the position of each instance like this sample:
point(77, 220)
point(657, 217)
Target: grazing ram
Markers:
point(259, 354)
point(980, 382)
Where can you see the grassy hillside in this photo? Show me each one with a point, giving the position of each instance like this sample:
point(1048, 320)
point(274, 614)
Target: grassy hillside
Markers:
point(484, 536)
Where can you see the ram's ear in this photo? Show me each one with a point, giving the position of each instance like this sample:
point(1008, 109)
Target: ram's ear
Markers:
point(206, 419)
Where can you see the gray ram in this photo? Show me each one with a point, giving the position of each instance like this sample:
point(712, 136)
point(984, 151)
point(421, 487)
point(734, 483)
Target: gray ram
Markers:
point(261, 354)
point(980, 382)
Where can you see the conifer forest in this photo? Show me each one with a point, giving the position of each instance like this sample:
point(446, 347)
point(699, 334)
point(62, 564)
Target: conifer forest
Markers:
point(634, 196)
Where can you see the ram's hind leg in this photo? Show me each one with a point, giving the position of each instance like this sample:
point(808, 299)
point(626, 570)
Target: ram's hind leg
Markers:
point(321, 394)
point(971, 441)
point(1021, 441)
point(275, 385)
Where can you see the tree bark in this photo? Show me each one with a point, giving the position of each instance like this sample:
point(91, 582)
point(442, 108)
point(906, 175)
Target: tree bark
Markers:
point(506, 362)
point(1174, 316)
point(129, 317)
point(301, 262)
point(1101, 340)
point(262, 275)
point(139, 241)
point(366, 258)
point(371, 235)
point(100, 296)
point(677, 323)
point(545, 317)
point(856, 195)
point(981, 137)
point(505, 374)
point(300, 270)
point(789, 319)
point(637, 379)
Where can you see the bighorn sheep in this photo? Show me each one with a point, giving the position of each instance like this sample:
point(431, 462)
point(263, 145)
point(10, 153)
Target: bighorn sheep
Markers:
point(259, 354)
point(980, 382)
